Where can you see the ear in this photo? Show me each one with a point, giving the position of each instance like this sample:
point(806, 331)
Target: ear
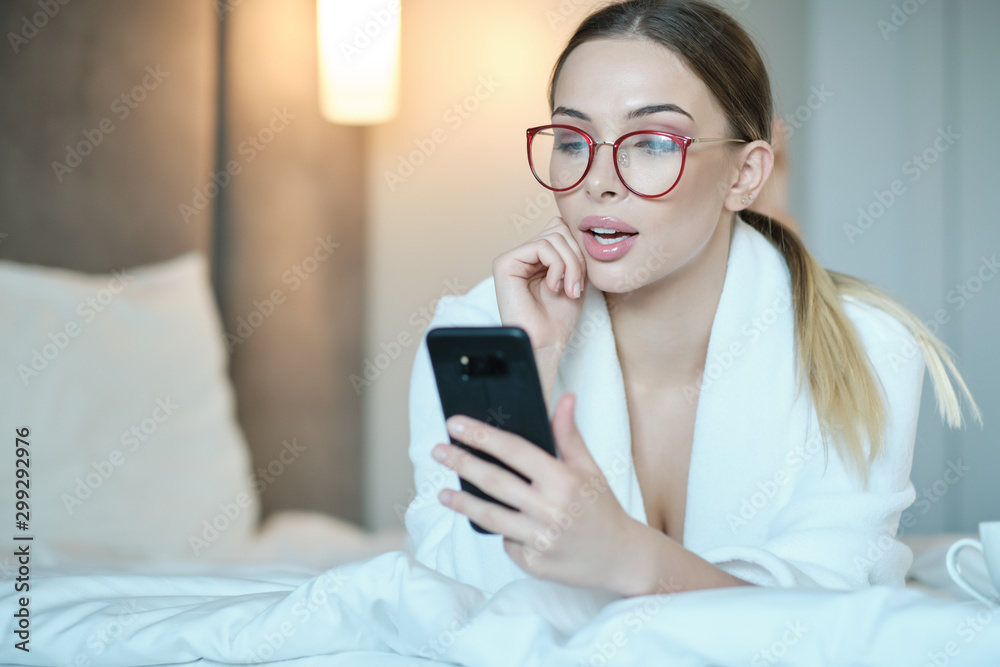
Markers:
point(754, 162)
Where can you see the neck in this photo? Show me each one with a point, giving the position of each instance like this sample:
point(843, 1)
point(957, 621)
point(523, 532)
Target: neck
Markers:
point(662, 328)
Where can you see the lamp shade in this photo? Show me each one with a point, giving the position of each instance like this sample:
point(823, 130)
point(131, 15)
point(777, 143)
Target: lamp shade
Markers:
point(358, 43)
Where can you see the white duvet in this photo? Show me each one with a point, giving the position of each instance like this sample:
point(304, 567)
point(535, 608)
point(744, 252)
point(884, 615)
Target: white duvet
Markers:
point(391, 610)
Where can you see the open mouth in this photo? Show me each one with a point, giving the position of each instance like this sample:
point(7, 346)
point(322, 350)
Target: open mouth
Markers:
point(608, 236)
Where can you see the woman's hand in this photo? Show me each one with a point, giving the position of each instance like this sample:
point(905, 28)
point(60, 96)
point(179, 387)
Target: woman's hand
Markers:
point(535, 286)
point(570, 527)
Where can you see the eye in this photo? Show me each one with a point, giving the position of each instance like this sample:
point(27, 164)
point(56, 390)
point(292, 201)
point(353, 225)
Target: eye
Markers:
point(572, 147)
point(570, 143)
point(655, 144)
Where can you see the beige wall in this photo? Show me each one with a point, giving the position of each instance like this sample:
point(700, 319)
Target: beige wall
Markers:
point(120, 207)
point(293, 221)
point(444, 223)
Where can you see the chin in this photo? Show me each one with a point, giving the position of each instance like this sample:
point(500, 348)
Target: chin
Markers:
point(611, 280)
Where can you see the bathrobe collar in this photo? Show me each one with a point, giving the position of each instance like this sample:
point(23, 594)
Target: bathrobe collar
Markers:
point(750, 347)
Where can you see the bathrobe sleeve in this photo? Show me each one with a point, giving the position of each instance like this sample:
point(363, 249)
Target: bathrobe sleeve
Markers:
point(830, 532)
point(441, 538)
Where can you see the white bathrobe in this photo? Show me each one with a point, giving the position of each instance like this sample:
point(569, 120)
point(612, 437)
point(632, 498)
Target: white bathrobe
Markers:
point(764, 503)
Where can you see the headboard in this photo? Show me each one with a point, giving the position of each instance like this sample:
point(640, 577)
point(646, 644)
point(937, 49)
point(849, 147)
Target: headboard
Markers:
point(136, 131)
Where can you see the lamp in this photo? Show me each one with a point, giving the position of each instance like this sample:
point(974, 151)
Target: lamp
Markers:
point(358, 44)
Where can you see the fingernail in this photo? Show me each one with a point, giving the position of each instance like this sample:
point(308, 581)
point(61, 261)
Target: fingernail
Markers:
point(576, 290)
point(439, 453)
point(456, 426)
point(558, 286)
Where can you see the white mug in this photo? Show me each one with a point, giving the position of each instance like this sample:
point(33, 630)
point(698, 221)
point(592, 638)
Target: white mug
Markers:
point(989, 547)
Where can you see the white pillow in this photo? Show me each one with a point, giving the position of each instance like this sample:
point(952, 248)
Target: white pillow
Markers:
point(135, 452)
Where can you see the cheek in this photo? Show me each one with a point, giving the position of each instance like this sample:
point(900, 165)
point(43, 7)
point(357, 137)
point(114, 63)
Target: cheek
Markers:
point(707, 182)
point(564, 202)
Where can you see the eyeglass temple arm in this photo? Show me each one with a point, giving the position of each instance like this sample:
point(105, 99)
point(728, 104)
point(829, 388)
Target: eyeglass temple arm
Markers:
point(702, 141)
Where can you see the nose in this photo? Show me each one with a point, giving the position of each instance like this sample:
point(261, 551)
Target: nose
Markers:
point(602, 180)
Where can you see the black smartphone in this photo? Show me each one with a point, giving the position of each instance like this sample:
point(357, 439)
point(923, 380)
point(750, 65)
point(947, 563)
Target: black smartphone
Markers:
point(489, 374)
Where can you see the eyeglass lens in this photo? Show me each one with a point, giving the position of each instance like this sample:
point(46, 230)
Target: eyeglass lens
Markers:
point(649, 164)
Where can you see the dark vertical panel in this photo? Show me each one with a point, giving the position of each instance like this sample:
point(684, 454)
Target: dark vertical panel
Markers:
point(127, 164)
point(220, 236)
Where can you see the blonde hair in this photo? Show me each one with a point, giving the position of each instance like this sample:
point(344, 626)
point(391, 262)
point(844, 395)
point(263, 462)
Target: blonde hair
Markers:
point(849, 398)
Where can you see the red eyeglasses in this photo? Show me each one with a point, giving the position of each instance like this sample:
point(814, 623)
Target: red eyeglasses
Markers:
point(648, 162)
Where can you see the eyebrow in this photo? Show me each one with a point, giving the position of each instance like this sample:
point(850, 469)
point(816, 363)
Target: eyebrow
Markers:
point(632, 115)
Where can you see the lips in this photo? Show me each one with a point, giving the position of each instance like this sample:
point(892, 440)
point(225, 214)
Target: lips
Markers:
point(614, 240)
point(606, 222)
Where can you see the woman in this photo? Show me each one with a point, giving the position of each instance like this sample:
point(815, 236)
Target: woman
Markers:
point(738, 355)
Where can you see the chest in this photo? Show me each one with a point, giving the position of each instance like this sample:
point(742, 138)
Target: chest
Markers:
point(662, 429)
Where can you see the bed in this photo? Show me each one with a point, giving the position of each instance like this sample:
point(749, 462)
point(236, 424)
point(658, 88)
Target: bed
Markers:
point(388, 609)
point(145, 547)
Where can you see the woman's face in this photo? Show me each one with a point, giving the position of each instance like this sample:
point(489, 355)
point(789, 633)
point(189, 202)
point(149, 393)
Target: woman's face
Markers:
point(601, 83)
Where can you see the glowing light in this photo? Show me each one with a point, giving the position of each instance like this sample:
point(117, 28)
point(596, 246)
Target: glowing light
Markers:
point(358, 43)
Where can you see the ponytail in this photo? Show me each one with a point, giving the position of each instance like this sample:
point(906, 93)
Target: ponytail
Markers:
point(849, 398)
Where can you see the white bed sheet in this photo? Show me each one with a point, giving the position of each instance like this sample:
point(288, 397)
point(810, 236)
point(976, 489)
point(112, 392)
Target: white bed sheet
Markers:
point(387, 609)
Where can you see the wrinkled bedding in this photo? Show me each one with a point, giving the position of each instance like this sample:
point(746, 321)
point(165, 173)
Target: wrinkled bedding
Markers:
point(391, 610)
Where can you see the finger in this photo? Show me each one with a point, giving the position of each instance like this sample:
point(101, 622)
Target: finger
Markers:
point(558, 226)
point(525, 457)
point(575, 266)
point(572, 449)
point(491, 516)
point(528, 260)
point(492, 479)
point(563, 229)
